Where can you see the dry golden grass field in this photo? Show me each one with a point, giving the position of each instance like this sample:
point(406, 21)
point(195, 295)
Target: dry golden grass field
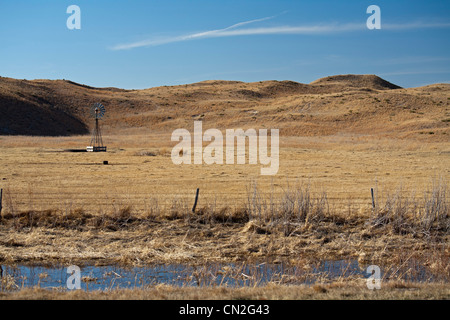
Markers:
point(339, 137)
point(37, 174)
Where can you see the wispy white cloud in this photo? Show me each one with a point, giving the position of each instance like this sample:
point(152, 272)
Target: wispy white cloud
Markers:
point(236, 30)
point(199, 35)
point(231, 32)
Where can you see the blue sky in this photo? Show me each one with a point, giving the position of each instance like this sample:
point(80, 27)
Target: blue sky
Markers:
point(142, 44)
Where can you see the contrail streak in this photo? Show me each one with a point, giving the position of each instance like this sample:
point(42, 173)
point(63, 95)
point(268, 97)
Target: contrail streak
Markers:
point(234, 30)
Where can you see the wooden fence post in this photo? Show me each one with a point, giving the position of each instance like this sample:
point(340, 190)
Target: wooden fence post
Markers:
point(373, 199)
point(196, 199)
point(1, 196)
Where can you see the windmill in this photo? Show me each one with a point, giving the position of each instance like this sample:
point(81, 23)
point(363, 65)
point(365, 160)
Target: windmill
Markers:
point(96, 145)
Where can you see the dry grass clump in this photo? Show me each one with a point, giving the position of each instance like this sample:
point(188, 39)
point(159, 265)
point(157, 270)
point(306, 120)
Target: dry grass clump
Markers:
point(76, 219)
point(146, 153)
point(295, 205)
point(394, 290)
point(414, 215)
point(8, 283)
point(46, 218)
point(212, 215)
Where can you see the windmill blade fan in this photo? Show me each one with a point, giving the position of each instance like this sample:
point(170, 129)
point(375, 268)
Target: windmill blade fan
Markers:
point(98, 110)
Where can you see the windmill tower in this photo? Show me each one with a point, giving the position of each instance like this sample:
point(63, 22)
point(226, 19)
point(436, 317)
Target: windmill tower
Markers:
point(96, 145)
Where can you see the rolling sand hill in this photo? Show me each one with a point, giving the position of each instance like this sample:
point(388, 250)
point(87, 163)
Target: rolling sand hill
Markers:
point(341, 104)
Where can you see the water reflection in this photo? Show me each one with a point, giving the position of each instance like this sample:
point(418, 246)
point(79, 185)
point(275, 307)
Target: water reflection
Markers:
point(231, 275)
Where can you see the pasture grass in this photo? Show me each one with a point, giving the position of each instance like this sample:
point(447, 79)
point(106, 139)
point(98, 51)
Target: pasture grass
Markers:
point(68, 208)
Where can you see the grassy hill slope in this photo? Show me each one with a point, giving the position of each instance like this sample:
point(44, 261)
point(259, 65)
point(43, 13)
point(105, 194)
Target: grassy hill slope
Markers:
point(341, 104)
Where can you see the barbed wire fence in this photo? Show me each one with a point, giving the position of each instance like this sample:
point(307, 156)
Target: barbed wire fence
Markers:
point(14, 200)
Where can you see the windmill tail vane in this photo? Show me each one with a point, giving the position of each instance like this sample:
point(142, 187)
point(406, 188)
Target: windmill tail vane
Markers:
point(96, 145)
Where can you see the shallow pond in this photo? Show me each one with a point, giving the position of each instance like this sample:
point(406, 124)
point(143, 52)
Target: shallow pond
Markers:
point(231, 275)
